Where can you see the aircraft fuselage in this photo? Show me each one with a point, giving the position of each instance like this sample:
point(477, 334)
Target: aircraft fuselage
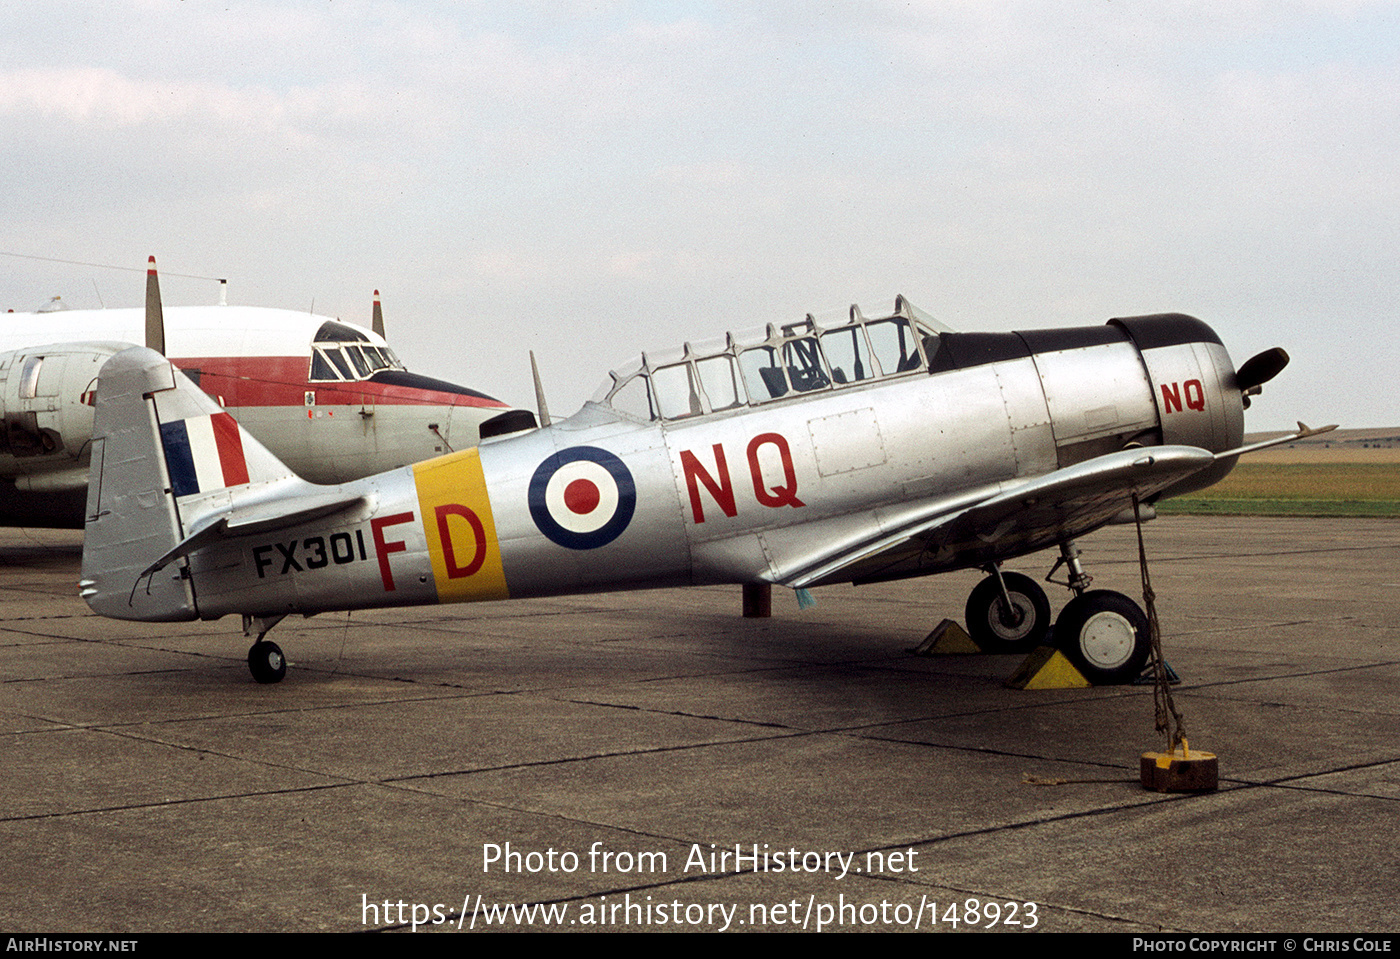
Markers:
point(842, 472)
point(288, 377)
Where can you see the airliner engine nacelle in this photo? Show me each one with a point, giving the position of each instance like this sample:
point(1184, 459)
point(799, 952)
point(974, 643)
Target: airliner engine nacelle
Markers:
point(46, 413)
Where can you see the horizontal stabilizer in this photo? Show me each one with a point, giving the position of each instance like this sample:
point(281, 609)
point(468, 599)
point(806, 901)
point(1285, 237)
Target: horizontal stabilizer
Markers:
point(257, 518)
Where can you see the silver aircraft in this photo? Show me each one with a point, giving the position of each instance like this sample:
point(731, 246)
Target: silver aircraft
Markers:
point(799, 455)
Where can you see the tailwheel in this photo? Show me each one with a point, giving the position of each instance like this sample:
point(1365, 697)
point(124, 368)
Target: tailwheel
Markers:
point(999, 628)
point(266, 662)
point(1105, 635)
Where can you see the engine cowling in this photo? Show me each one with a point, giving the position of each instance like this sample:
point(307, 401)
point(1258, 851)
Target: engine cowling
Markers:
point(1194, 386)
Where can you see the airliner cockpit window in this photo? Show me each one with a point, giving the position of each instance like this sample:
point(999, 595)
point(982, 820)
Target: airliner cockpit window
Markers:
point(357, 358)
point(341, 352)
point(333, 332)
point(338, 361)
point(375, 358)
point(382, 358)
point(321, 369)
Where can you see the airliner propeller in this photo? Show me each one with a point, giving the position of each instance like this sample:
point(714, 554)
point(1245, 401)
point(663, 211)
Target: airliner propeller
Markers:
point(377, 319)
point(539, 392)
point(155, 317)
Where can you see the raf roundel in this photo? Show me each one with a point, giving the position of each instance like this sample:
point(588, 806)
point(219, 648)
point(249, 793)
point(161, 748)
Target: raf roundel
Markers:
point(582, 497)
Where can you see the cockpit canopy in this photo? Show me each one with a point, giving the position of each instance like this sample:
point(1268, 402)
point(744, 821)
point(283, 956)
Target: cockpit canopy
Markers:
point(768, 364)
point(341, 352)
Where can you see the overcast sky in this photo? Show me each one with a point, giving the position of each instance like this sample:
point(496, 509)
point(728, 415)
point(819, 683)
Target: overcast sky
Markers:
point(590, 179)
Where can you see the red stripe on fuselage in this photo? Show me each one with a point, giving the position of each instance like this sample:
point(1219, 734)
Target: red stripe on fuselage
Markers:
point(244, 381)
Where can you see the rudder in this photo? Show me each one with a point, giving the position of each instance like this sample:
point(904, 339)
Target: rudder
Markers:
point(164, 456)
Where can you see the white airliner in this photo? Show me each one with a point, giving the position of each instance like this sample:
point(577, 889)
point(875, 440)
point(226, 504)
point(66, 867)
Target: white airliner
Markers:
point(330, 398)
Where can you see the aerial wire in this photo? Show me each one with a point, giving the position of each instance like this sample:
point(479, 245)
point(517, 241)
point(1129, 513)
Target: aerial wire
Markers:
point(109, 266)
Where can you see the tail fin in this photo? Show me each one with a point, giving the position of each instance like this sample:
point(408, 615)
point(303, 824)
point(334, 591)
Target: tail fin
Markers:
point(167, 465)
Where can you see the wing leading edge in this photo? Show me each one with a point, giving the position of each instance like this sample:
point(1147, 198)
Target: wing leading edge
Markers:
point(1010, 519)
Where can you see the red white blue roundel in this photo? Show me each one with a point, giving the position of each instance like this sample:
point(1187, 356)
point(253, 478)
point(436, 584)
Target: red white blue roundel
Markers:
point(582, 497)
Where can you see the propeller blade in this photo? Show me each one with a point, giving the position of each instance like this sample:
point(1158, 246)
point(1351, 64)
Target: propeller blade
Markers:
point(377, 322)
point(155, 316)
point(1258, 370)
point(539, 391)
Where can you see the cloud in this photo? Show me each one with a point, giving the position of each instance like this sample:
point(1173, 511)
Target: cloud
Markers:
point(1006, 164)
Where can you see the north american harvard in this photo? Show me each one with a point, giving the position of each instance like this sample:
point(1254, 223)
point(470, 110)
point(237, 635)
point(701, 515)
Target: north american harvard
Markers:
point(798, 455)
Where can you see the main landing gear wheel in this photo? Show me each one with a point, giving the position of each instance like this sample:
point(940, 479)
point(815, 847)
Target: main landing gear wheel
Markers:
point(997, 629)
point(266, 662)
point(1105, 635)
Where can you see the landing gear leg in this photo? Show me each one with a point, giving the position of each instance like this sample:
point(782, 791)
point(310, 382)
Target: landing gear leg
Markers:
point(265, 659)
point(1069, 558)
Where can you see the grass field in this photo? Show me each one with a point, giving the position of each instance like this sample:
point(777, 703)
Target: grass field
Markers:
point(1310, 485)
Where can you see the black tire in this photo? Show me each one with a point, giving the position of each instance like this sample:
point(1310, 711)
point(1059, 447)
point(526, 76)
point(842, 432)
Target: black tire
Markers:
point(995, 632)
point(266, 662)
point(1105, 635)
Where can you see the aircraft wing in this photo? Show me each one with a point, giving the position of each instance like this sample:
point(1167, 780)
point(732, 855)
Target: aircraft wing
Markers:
point(1018, 517)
